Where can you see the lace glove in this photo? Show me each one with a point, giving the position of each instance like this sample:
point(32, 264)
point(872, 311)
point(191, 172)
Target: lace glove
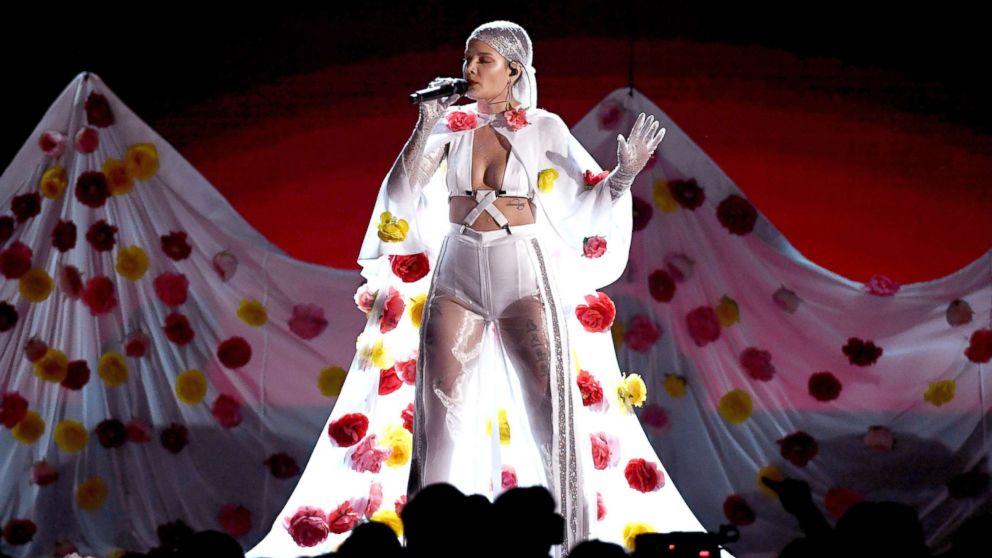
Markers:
point(420, 168)
point(633, 153)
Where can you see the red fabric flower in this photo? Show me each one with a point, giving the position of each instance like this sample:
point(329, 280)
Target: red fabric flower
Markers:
point(6, 228)
point(101, 236)
point(92, 189)
point(26, 206)
point(704, 327)
point(34, 349)
point(656, 418)
point(98, 111)
point(349, 429)
point(757, 363)
point(77, 375)
point(407, 370)
point(389, 381)
point(111, 433)
point(399, 504)
point(516, 118)
point(589, 387)
point(508, 477)
point(235, 519)
point(171, 288)
point(738, 511)
point(824, 386)
point(407, 416)
point(679, 267)
point(609, 115)
point(798, 448)
point(307, 321)
point(461, 120)
point(736, 214)
point(643, 476)
point(642, 212)
point(43, 473)
point(19, 531)
point(591, 179)
point(343, 518)
point(282, 466)
point(70, 281)
point(15, 261)
point(177, 329)
point(599, 314)
point(226, 410)
point(410, 268)
point(838, 500)
point(593, 246)
point(861, 353)
point(175, 245)
point(641, 333)
point(99, 295)
point(373, 502)
point(86, 140)
point(308, 526)
point(234, 352)
point(64, 236)
point(8, 316)
point(13, 409)
point(980, 346)
point(174, 438)
point(687, 193)
point(136, 344)
point(661, 286)
point(138, 431)
point(880, 285)
point(392, 310)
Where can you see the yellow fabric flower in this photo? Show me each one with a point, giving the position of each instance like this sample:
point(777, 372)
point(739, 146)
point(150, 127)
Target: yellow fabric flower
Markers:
point(417, 309)
point(141, 161)
point(118, 180)
point(392, 229)
point(71, 436)
point(727, 311)
point(675, 385)
point(663, 199)
point(112, 368)
point(940, 392)
point(575, 360)
point(31, 427)
point(252, 312)
point(191, 386)
point(53, 366)
point(546, 180)
point(504, 427)
point(53, 182)
point(637, 392)
point(773, 473)
point(331, 381)
point(389, 517)
point(381, 357)
point(132, 262)
point(35, 285)
point(117, 553)
point(735, 406)
point(91, 493)
point(617, 331)
point(631, 530)
point(400, 441)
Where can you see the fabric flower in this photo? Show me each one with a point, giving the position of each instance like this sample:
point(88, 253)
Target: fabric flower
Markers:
point(786, 300)
point(52, 367)
point(770, 472)
point(111, 433)
point(13, 409)
point(141, 160)
point(939, 392)
point(375, 352)
point(642, 333)
point(879, 438)
point(680, 267)
point(234, 352)
point(307, 527)
point(400, 442)
point(605, 450)
point(597, 314)
point(643, 476)
point(64, 235)
point(593, 246)
point(177, 329)
point(757, 363)
point(392, 229)
point(349, 429)
point(631, 390)
point(34, 349)
point(92, 189)
point(389, 381)
point(225, 264)
point(35, 285)
point(516, 118)
point(53, 182)
point(138, 431)
point(52, 143)
point(307, 321)
point(798, 448)
point(136, 344)
point(118, 181)
point(372, 503)
point(86, 140)
point(407, 416)
point(99, 295)
point(331, 380)
point(251, 312)
point(674, 385)
point(546, 180)
point(132, 262)
point(661, 286)
point(365, 298)
point(29, 429)
point(410, 268)
point(26, 206)
point(18, 531)
point(738, 511)
point(727, 311)
point(407, 370)
point(367, 457)
point(8, 316)
point(43, 473)
point(704, 325)
point(461, 120)
point(15, 261)
point(98, 111)
point(112, 368)
point(508, 477)
point(235, 520)
point(504, 427)
point(661, 192)
point(838, 500)
point(226, 410)
point(735, 406)
point(392, 310)
point(880, 285)
point(958, 313)
point(71, 436)
point(343, 518)
point(70, 281)
point(687, 193)
point(591, 179)
point(416, 311)
point(600, 507)
point(630, 532)
point(175, 245)
point(171, 288)
point(824, 386)
point(91, 493)
point(282, 466)
point(861, 353)
point(656, 419)
point(174, 438)
point(590, 388)
point(609, 115)
point(191, 387)
point(737, 215)
point(980, 346)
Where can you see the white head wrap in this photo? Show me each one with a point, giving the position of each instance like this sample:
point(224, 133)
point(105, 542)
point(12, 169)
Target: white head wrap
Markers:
point(513, 43)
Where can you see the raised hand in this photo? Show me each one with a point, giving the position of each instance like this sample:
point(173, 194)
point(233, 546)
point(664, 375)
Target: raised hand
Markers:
point(432, 110)
point(634, 152)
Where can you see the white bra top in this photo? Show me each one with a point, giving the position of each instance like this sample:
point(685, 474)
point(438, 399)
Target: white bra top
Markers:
point(459, 177)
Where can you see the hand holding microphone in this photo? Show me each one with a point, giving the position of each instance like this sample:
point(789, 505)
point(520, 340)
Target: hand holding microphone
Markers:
point(440, 94)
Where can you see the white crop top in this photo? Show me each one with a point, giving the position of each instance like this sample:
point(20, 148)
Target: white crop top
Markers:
point(459, 177)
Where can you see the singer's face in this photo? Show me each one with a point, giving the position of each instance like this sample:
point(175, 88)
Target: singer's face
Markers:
point(486, 71)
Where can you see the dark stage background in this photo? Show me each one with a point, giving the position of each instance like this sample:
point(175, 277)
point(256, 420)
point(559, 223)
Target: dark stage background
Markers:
point(862, 135)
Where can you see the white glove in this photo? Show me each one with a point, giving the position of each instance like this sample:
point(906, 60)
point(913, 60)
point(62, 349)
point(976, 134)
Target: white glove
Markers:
point(432, 110)
point(419, 168)
point(634, 152)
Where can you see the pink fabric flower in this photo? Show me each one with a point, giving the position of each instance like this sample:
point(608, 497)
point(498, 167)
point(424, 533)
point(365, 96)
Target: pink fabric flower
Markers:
point(392, 310)
point(367, 457)
point(307, 321)
point(308, 526)
point(370, 504)
point(609, 115)
point(461, 120)
point(70, 281)
point(786, 300)
point(656, 418)
point(399, 504)
point(407, 370)
point(600, 507)
point(52, 143)
point(86, 140)
point(43, 473)
point(508, 477)
point(880, 285)
point(225, 264)
point(593, 246)
point(757, 363)
point(171, 288)
point(516, 119)
point(235, 519)
point(365, 298)
point(704, 327)
point(641, 333)
point(597, 314)
point(679, 267)
point(342, 519)
point(605, 450)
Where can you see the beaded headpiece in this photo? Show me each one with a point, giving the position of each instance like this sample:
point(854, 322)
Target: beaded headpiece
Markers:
point(513, 43)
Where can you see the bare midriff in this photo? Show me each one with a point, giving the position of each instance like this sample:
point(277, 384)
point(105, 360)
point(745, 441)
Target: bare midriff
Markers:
point(518, 211)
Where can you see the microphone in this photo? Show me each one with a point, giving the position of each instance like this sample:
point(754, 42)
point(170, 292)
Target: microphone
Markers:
point(459, 86)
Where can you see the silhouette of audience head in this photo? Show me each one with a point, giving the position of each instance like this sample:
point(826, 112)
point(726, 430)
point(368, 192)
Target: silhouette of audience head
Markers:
point(371, 539)
point(597, 549)
point(880, 529)
point(528, 513)
point(437, 522)
point(210, 543)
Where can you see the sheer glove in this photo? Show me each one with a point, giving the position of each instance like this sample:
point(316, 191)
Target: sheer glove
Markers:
point(633, 153)
point(420, 168)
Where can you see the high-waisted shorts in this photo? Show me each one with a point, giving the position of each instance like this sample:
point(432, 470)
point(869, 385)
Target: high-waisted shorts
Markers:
point(487, 270)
